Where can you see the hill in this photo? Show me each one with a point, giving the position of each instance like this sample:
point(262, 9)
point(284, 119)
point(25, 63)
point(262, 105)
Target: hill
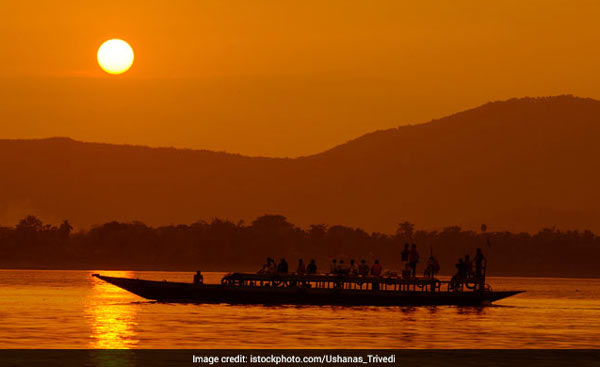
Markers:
point(519, 165)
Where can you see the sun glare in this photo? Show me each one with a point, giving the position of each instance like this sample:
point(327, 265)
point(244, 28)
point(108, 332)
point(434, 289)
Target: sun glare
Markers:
point(115, 56)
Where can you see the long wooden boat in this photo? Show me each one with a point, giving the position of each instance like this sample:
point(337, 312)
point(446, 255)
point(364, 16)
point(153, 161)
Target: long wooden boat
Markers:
point(240, 288)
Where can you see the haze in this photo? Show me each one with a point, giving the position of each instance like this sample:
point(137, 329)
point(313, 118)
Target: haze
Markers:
point(281, 78)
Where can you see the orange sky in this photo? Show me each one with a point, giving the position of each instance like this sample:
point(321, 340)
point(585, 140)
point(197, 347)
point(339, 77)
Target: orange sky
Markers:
point(281, 78)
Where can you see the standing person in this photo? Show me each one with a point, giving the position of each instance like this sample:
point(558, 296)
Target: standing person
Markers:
point(334, 268)
point(405, 253)
point(376, 269)
point(460, 269)
point(413, 259)
point(435, 266)
point(468, 266)
point(432, 268)
point(479, 263)
point(312, 267)
point(301, 270)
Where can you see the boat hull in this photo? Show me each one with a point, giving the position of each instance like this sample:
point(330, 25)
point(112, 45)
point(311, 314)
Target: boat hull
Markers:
point(173, 292)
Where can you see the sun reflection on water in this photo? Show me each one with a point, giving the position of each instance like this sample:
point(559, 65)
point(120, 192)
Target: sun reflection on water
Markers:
point(111, 314)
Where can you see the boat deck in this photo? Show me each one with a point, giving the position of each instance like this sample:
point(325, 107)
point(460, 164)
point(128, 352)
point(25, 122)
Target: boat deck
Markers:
point(336, 281)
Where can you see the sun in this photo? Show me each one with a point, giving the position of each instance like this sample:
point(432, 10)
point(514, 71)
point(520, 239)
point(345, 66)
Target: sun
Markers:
point(115, 56)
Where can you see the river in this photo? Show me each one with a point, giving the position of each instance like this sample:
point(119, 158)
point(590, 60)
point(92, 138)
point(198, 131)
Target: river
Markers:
point(71, 309)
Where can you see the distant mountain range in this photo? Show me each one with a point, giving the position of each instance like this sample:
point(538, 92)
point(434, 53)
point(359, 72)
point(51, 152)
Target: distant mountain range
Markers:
point(520, 165)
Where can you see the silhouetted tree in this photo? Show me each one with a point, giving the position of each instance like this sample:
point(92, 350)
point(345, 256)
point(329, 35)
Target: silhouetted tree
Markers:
point(226, 245)
point(29, 224)
point(405, 230)
point(65, 229)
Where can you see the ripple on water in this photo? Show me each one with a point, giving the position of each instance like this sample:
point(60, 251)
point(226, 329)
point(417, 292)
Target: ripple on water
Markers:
point(69, 309)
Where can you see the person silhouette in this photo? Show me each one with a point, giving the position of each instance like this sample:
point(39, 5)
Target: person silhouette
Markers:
point(363, 268)
point(405, 253)
point(334, 268)
point(301, 270)
point(198, 277)
point(282, 267)
point(413, 259)
point(312, 267)
point(479, 262)
point(376, 269)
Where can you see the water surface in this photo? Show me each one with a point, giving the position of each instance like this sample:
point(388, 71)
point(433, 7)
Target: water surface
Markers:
point(70, 309)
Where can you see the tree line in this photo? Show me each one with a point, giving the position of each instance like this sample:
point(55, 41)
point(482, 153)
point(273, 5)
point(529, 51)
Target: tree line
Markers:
point(223, 245)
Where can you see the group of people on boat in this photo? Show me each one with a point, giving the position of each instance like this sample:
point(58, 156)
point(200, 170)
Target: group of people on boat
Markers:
point(337, 268)
point(353, 269)
point(410, 257)
point(464, 267)
point(282, 268)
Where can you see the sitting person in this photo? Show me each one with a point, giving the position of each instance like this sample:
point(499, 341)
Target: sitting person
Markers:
point(268, 268)
point(301, 270)
point(343, 269)
point(363, 268)
point(460, 275)
point(282, 267)
point(353, 270)
point(312, 267)
point(272, 267)
point(198, 278)
point(432, 268)
point(376, 269)
point(334, 267)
